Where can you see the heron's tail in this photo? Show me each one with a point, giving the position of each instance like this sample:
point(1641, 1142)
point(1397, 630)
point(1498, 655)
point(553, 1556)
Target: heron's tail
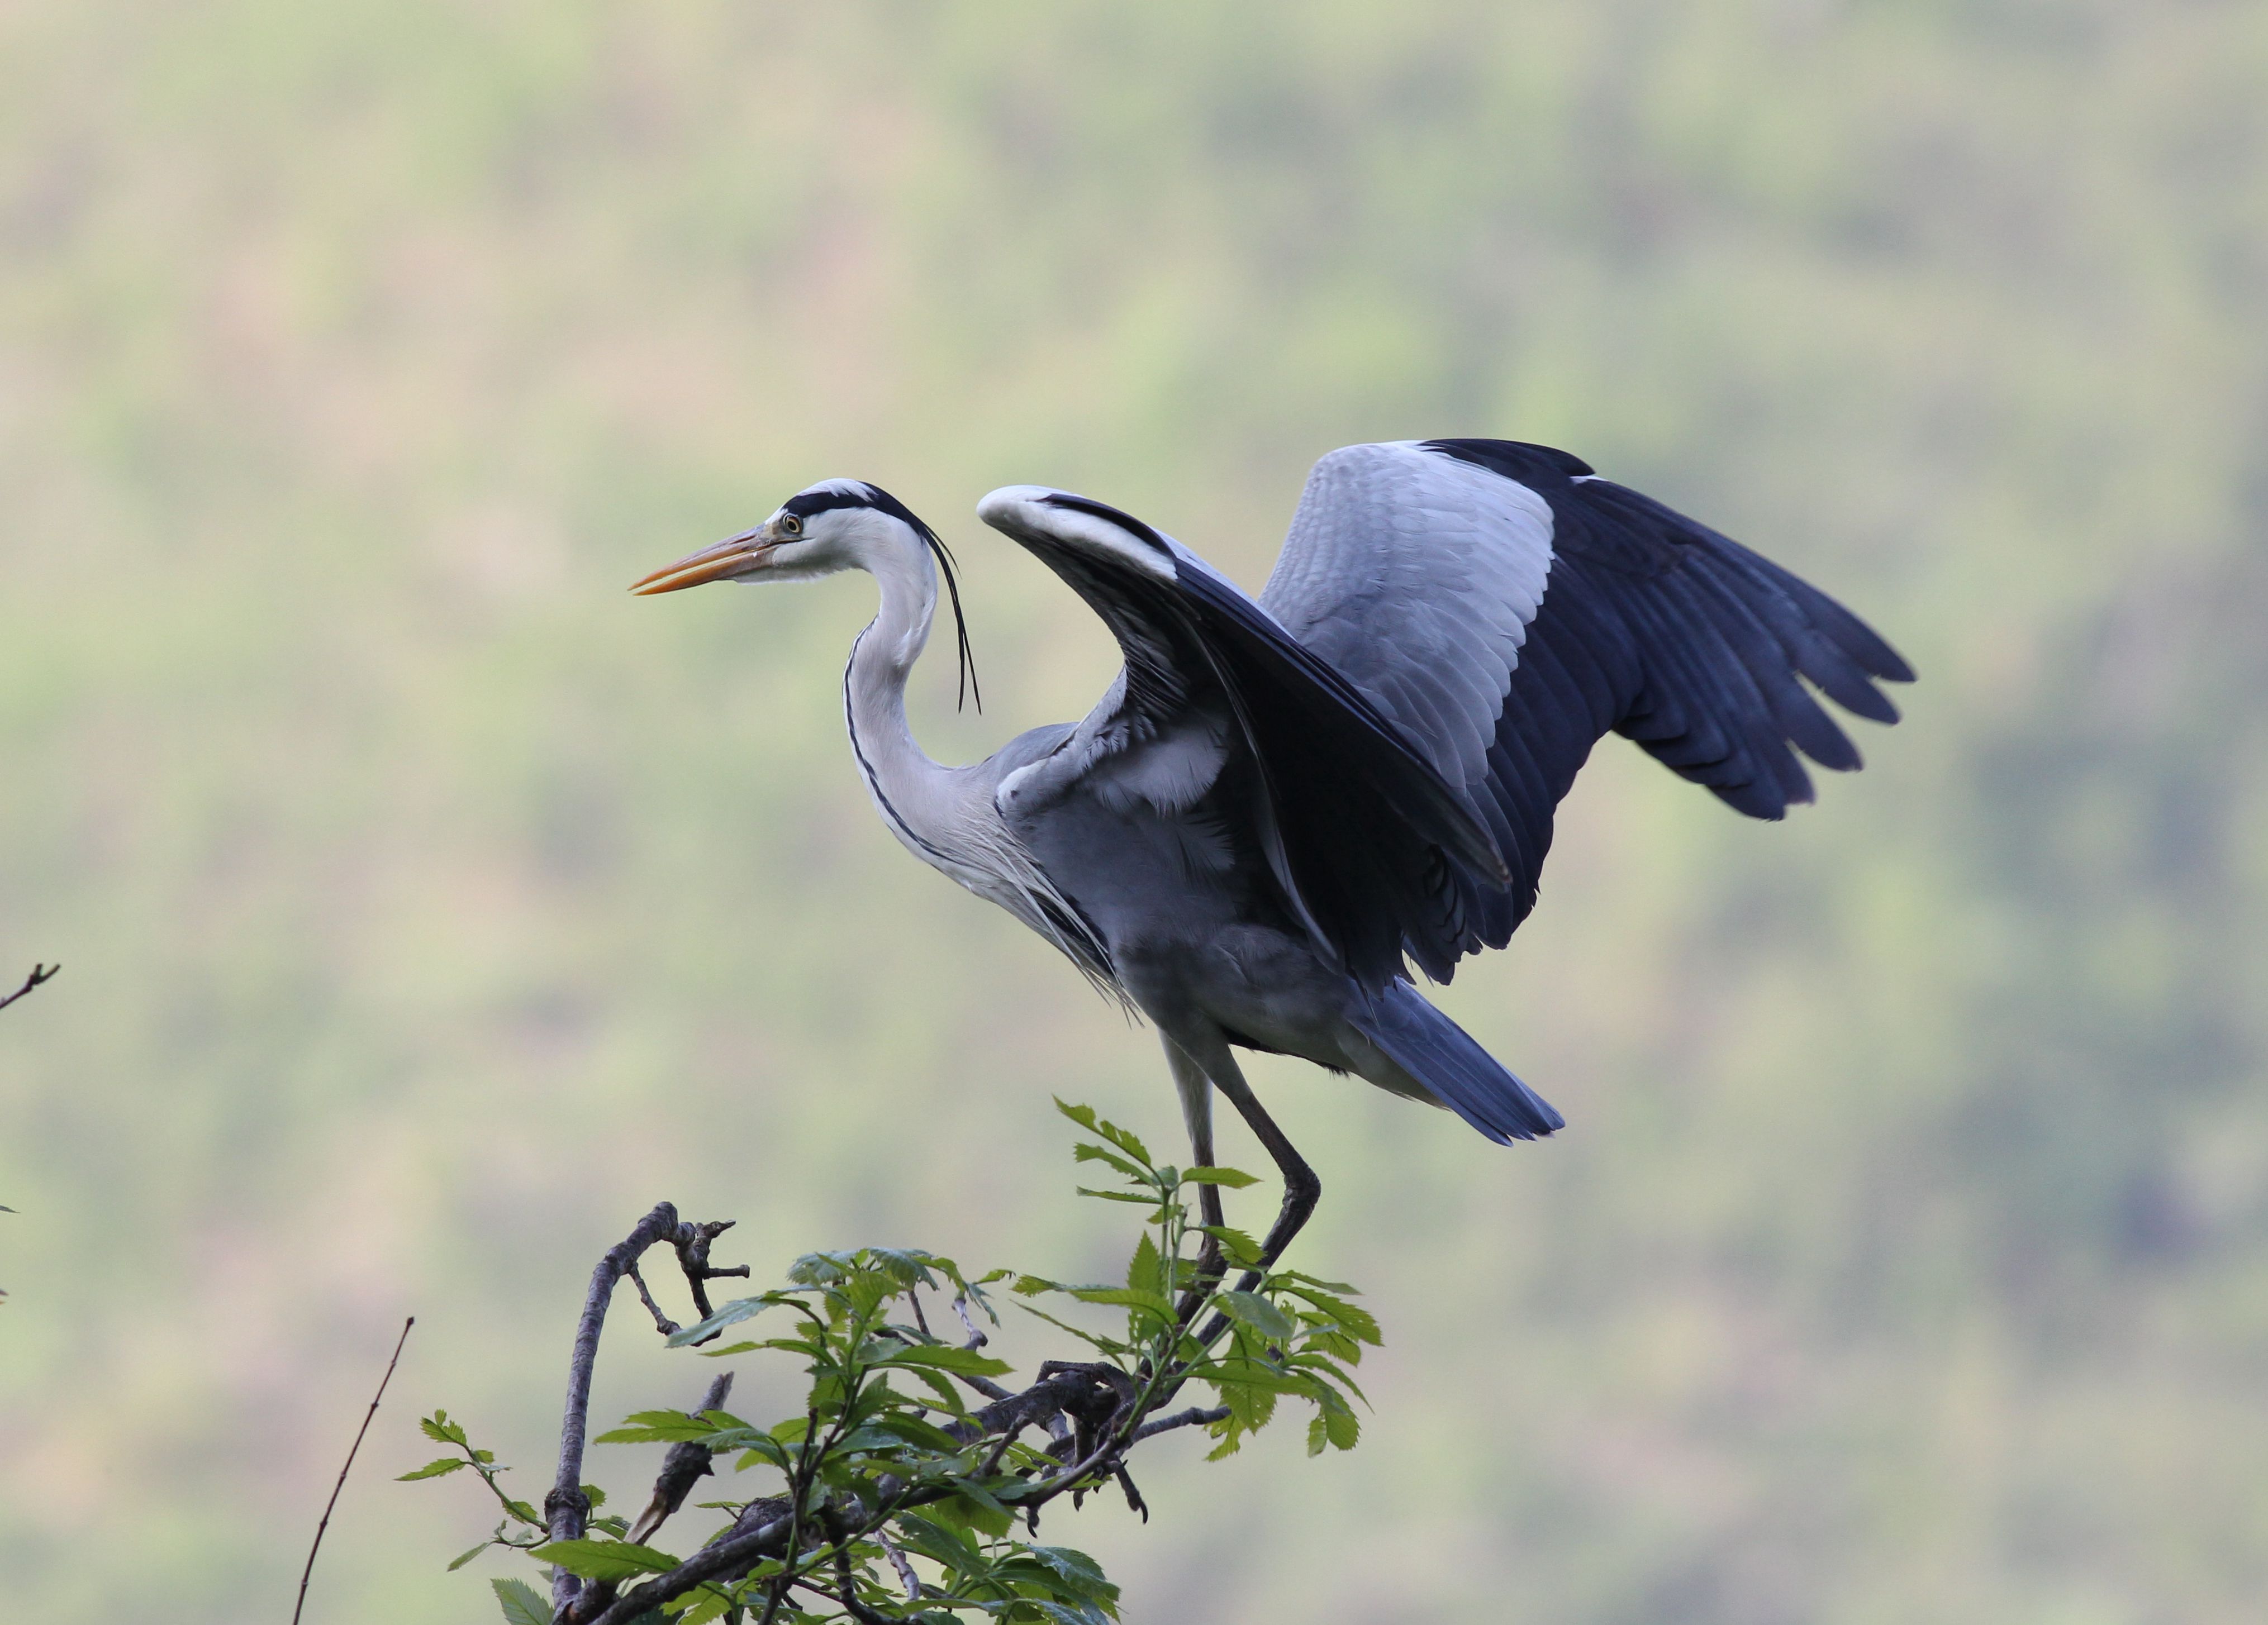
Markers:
point(1452, 1068)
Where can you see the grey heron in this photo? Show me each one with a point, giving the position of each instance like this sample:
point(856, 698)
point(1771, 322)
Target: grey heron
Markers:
point(1283, 804)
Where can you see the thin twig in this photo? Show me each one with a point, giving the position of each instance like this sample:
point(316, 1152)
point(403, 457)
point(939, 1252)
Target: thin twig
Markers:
point(1192, 1417)
point(39, 973)
point(662, 1323)
point(352, 1449)
point(976, 1339)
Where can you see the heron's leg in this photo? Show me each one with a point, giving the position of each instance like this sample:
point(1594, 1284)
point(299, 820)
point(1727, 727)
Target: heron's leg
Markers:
point(1302, 1188)
point(1196, 1090)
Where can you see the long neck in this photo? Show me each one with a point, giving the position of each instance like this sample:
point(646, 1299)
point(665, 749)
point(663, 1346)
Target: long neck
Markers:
point(912, 793)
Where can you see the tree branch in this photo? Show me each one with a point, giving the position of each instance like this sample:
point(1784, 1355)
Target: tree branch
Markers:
point(39, 973)
point(567, 1509)
point(352, 1449)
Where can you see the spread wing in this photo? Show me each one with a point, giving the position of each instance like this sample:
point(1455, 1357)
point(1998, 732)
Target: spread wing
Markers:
point(1507, 607)
point(1370, 845)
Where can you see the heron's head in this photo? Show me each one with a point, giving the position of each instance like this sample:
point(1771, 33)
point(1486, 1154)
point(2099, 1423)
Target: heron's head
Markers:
point(836, 524)
point(833, 525)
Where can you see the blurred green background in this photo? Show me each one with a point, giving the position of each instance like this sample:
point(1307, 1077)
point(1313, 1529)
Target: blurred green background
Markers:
point(431, 908)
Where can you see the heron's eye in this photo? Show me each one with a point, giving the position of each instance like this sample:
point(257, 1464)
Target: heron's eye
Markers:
point(791, 525)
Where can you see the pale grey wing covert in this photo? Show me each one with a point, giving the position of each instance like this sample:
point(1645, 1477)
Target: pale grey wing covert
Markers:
point(1370, 845)
point(1507, 607)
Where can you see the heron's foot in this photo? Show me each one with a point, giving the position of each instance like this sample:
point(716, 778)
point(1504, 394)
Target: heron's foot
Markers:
point(1301, 1191)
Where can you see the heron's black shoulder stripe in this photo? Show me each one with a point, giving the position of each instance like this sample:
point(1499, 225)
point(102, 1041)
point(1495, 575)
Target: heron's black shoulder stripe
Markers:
point(1123, 521)
point(1532, 465)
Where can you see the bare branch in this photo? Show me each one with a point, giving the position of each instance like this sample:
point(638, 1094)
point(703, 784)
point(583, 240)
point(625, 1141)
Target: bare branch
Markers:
point(1192, 1417)
point(567, 1509)
point(352, 1449)
point(39, 973)
point(907, 1578)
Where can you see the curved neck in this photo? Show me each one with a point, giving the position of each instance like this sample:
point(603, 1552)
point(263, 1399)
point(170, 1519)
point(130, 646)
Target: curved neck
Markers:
point(911, 792)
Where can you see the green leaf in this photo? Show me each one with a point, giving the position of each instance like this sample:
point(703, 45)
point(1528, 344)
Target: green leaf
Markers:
point(1258, 1312)
point(1083, 1115)
point(605, 1560)
point(440, 1466)
point(1140, 1198)
point(698, 1607)
point(462, 1558)
point(731, 1315)
point(1126, 1139)
point(1239, 1246)
point(1284, 1278)
point(1355, 1322)
point(659, 1427)
point(769, 1450)
point(1081, 1573)
point(440, 1430)
point(1145, 1271)
point(914, 1430)
point(1341, 1425)
point(1149, 1303)
point(1084, 1152)
point(1235, 1178)
point(968, 1513)
point(1072, 1613)
point(949, 1357)
point(522, 1606)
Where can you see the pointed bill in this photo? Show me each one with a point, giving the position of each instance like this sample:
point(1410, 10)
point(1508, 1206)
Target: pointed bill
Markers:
point(735, 556)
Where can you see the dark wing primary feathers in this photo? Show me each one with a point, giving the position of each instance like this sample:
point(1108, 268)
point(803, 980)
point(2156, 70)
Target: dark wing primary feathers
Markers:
point(1507, 607)
point(1371, 845)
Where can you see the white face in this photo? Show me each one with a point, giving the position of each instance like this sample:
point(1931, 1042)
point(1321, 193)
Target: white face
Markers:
point(835, 526)
point(826, 528)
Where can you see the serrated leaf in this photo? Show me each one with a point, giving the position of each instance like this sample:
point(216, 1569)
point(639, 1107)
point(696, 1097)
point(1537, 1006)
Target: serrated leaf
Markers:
point(1081, 1573)
point(949, 1357)
point(1083, 1115)
point(1145, 1271)
point(728, 1314)
point(1125, 1297)
point(605, 1560)
point(1085, 1152)
point(658, 1426)
point(1254, 1311)
point(440, 1466)
point(1237, 1244)
point(1356, 1321)
point(1139, 1198)
point(914, 1430)
point(522, 1606)
point(1071, 1613)
point(1126, 1139)
point(1341, 1425)
point(698, 1607)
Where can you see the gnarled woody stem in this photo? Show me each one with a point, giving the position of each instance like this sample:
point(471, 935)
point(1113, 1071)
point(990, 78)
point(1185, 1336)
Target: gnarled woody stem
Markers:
point(567, 1509)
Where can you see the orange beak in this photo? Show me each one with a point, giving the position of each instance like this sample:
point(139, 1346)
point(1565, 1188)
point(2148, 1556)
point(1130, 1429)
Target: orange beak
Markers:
point(735, 556)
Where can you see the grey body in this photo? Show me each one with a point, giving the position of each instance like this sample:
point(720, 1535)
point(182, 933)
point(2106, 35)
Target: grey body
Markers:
point(1283, 802)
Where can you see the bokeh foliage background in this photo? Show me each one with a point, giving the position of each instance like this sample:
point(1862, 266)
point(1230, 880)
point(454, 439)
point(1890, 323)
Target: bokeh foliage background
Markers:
point(431, 908)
